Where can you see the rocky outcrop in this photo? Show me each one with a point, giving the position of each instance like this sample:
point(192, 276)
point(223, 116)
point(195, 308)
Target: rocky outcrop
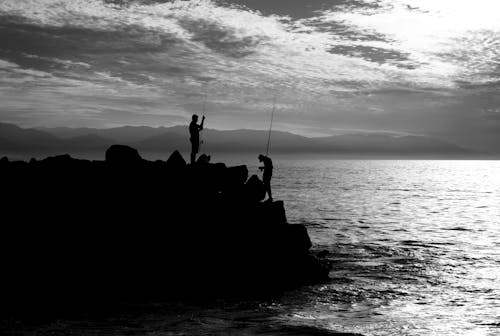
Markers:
point(122, 155)
point(176, 161)
point(124, 228)
point(254, 189)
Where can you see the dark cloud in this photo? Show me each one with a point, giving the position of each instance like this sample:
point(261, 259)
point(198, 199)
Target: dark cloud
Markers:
point(404, 91)
point(22, 36)
point(493, 84)
point(343, 31)
point(299, 9)
point(292, 8)
point(377, 55)
point(223, 40)
point(130, 52)
point(415, 9)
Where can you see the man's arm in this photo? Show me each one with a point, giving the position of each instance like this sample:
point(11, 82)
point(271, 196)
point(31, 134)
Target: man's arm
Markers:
point(202, 121)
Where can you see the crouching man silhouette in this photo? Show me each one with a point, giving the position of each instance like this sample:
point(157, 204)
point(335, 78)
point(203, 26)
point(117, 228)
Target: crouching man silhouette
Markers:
point(267, 174)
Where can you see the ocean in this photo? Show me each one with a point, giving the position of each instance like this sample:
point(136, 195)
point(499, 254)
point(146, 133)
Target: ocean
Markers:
point(414, 246)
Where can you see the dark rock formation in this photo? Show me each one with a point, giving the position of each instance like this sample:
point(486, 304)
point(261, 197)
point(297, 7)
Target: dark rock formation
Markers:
point(122, 155)
point(80, 231)
point(203, 159)
point(236, 176)
point(255, 189)
point(176, 161)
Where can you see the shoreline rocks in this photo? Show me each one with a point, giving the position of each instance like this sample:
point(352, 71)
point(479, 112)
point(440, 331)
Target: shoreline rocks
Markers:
point(127, 228)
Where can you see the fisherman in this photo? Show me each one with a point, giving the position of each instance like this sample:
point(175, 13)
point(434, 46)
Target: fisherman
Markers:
point(267, 174)
point(194, 131)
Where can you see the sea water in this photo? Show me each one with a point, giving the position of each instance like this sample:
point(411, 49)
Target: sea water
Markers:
point(414, 247)
point(415, 244)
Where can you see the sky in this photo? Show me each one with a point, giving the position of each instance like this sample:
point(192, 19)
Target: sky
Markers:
point(420, 67)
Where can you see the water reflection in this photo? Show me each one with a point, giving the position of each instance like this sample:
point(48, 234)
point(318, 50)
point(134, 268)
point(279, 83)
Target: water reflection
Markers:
point(415, 244)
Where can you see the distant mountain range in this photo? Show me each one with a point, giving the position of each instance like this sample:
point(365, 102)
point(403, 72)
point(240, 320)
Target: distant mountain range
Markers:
point(145, 138)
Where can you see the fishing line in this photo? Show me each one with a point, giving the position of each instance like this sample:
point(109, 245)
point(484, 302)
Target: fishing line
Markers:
point(271, 125)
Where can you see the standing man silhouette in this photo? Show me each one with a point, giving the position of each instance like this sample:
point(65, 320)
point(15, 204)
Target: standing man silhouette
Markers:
point(267, 174)
point(194, 131)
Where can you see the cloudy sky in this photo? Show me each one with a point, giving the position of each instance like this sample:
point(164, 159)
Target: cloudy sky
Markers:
point(428, 67)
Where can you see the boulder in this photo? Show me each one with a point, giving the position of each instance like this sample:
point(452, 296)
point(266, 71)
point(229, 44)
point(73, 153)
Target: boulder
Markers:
point(274, 211)
point(297, 239)
point(204, 159)
point(254, 189)
point(237, 175)
point(120, 155)
point(232, 182)
point(58, 160)
point(216, 172)
point(176, 161)
point(221, 166)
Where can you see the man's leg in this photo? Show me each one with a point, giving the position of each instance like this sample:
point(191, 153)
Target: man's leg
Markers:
point(267, 186)
point(194, 150)
point(269, 191)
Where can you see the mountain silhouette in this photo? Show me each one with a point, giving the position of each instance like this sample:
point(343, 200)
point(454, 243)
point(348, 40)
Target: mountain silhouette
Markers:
point(14, 137)
point(230, 141)
point(124, 134)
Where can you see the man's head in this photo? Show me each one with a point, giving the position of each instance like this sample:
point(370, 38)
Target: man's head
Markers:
point(195, 117)
point(261, 157)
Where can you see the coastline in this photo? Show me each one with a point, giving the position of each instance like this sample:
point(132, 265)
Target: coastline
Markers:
point(126, 228)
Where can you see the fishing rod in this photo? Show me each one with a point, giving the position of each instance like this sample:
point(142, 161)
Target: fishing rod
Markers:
point(271, 125)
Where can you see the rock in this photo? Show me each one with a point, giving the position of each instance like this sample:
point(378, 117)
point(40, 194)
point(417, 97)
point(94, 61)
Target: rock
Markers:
point(275, 211)
point(204, 159)
point(216, 172)
point(232, 182)
point(297, 238)
point(155, 229)
point(219, 166)
point(120, 155)
point(310, 269)
point(254, 189)
point(58, 160)
point(237, 175)
point(18, 164)
point(176, 161)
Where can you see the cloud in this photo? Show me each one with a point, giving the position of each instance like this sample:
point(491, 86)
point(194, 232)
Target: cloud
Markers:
point(374, 54)
point(299, 9)
point(452, 39)
point(330, 63)
point(221, 39)
point(181, 39)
